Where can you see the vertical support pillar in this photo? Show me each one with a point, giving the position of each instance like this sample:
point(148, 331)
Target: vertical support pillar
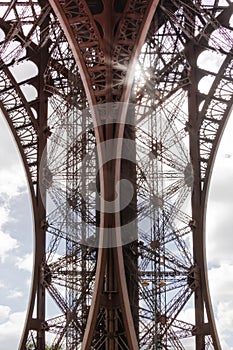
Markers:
point(198, 239)
point(128, 217)
point(40, 245)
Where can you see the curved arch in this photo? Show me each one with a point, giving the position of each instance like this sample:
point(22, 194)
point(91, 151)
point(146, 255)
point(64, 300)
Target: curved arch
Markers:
point(34, 205)
point(99, 72)
point(223, 116)
point(206, 190)
point(25, 130)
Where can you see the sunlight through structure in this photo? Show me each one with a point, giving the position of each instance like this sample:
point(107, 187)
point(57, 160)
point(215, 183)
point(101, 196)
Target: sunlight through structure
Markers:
point(118, 117)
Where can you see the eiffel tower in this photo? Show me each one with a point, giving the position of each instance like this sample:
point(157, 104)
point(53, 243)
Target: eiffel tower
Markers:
point(117, 113)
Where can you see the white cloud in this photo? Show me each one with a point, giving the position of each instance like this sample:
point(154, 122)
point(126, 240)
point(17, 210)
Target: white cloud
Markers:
point(25, 262)
point(4, 214)
point(14, 294)
point(221, 283)
point(11, 330)
point(28, 282)
point(8, 244)
point(4, 312)
point(10, 184)
point(226, 346)
point(11, 174)
point(2, 285)
point(219, 235)
point(225, 315)
point(224, 320)
point(221, 287)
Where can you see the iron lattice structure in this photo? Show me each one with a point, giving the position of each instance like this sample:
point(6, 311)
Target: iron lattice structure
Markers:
point(101, 91)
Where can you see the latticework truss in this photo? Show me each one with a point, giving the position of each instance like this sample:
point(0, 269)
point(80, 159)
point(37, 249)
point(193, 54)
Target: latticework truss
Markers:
point(98, 93)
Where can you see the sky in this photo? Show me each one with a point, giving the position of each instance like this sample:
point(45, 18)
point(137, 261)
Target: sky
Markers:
point(220, 238)
point(16, 237)
point(16, 242)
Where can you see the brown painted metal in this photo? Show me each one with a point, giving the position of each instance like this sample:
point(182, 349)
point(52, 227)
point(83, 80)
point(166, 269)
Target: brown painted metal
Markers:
point(105, 42)
point(108, 22)
point(38, 301)
point(199, 195)
point(196, 200)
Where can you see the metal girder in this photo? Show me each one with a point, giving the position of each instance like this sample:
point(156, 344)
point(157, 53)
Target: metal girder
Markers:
point(213, 117)
point(94, 63)
point(103, 51)
point(23, 124)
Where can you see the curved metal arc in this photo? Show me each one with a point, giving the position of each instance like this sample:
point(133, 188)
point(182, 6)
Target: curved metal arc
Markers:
point(205, 192)
point(129, 325)
point(102, 256)
point(200, 244)
point(59, 12)
point(20, 94)
point(148, 16)
point(203, 263)
point(214, 85)
point(119, 135)
point(205, 284)
point(30, 124)
point(55, 4)
point(211, 161)
point(214, 150)
point(32, 296)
